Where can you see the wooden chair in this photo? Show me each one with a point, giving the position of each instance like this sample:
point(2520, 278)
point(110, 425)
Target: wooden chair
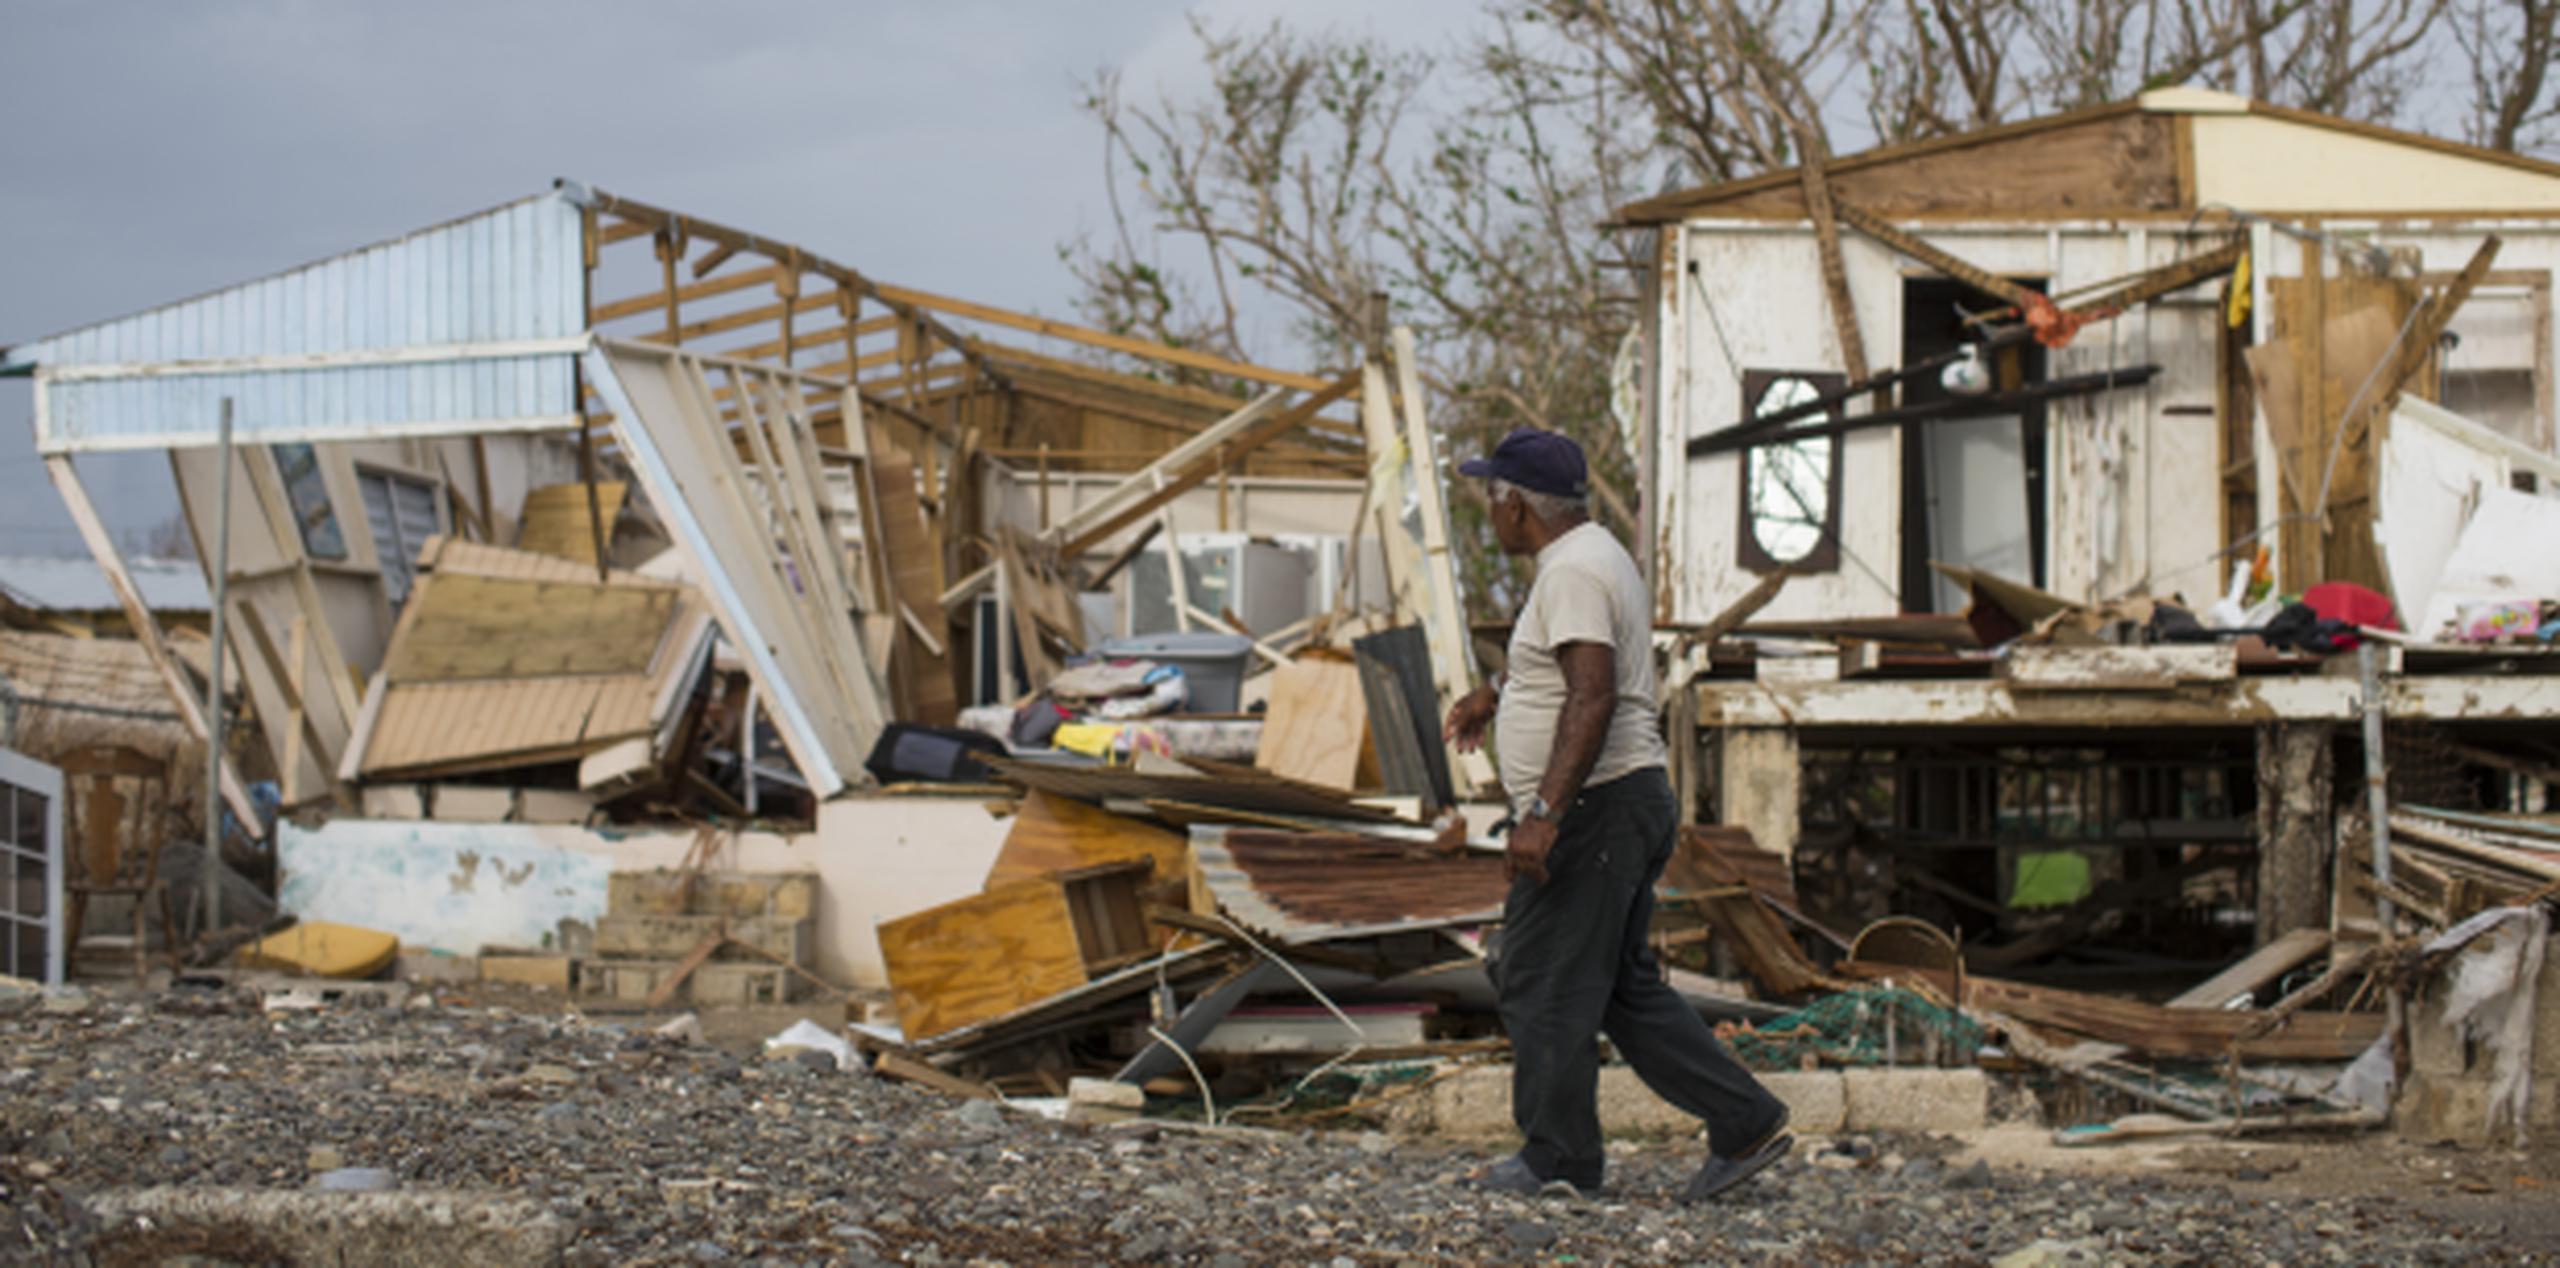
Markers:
point(118, 836)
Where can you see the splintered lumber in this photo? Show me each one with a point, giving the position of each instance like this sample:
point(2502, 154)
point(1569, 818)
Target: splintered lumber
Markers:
point(2258, 968)
point(1052, 834)
point(1746, 923)
point(899, 1064)
point(991, 954)
point(558, 521)
point(489, 627)
point(2151, 1028)
point(1317, 723)
point(914, 555)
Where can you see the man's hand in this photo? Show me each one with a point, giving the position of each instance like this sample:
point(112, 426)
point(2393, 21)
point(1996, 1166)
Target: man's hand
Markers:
point(1465, 726)
point(1526, 855)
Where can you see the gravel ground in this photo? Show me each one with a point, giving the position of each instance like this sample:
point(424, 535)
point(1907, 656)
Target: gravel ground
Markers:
point(659, 1151)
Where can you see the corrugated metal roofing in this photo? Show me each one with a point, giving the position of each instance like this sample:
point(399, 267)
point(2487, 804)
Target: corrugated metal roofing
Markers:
point(1311, 886)
point(474, 313)
point(76, 585)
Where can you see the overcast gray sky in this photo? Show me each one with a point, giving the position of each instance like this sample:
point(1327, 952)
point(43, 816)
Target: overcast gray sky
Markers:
point(162, 149)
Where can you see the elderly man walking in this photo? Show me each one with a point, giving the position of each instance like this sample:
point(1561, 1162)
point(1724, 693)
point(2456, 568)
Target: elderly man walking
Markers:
point(1581, 758)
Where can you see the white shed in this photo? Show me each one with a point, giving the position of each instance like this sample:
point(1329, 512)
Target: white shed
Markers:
point(2133, 490)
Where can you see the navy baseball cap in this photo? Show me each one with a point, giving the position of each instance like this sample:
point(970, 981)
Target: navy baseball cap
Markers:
point(1540, 461)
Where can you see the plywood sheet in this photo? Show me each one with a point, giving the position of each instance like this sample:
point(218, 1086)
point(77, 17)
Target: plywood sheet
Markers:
point(1317, 724)
point(981, 957)
point(1056, 834)
point(557, 522)
point(2127, 162)
point(468, 627)
point(915, 582)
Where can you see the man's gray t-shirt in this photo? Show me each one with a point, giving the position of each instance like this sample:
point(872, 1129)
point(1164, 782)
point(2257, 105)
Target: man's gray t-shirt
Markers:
point(1587, 591)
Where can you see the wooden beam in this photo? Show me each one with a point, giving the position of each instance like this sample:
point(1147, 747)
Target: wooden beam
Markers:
point(783, 251)
point(657, 299)
point(1814, 176)
point(625, 230)
point(146, 631)
point(1190, 469)
point(1090, 337)
point(1981, 279)
point(713, 258)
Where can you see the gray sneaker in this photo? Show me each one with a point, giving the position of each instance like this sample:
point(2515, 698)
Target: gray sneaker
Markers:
point(1513, 1175)
point(1721, 1174)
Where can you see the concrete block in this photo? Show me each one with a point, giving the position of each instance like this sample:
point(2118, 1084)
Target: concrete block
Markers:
point(1476, 1103)
point(1916, 1100)
point(1100, 1101)
point(473, 803)
point(448, 1230)
point(718, 983)
point(418, 965)
point(1817, 1100)
point(714, 983)
point(2435, 1107)
point(553, 805)
point(550, 972)
point(395, 801)
point(2437, 1047)
point(787, 895)
point(671, 937)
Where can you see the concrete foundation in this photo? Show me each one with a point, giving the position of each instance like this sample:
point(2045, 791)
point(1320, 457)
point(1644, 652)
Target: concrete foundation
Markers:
point(1476, 1103)
point(422, 1229)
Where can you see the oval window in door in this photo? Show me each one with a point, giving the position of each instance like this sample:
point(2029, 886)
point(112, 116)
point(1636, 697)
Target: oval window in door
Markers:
point(1787, 502)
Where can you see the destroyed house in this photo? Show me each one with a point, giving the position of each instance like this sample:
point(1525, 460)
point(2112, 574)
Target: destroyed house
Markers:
point(1935, 431)
point(521, 505)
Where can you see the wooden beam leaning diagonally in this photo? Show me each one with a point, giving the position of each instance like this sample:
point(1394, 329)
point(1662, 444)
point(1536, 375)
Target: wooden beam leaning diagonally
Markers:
point(1981, 279)
point(1137, 484)
point(146, 630)
point(1813, 174)
point(1192, 475)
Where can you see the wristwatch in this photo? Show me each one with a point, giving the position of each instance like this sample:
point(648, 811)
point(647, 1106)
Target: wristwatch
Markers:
point(1539, 809)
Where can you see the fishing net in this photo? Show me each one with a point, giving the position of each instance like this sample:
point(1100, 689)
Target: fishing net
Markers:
point(1879, 1025)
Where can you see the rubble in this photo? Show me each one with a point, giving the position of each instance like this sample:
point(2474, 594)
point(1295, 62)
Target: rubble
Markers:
point(804, 1166)
point(1999, 821)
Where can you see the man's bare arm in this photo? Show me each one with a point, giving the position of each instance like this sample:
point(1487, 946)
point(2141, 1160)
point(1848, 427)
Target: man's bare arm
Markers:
point(1590, 698)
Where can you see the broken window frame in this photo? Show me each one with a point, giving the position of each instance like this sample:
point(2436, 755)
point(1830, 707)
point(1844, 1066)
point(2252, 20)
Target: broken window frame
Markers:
point(395, 556)
point(1750, 553)
point(306, 488)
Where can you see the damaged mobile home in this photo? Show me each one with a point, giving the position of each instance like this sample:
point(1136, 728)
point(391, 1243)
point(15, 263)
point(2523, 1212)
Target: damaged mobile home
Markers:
point(655, 610)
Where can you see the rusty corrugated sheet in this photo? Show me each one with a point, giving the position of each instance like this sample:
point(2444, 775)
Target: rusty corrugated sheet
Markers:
point(1310, 886)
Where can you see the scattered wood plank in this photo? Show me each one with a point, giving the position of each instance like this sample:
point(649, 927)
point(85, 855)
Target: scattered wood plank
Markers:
point(2256, 969)
point(903, 1066)
point(694, 959)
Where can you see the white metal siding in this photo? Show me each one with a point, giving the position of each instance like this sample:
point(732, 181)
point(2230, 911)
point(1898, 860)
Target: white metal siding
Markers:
point(460, 301)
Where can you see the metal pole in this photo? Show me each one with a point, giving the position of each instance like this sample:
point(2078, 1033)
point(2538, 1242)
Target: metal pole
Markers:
point(211, 879)
point(2377, 801)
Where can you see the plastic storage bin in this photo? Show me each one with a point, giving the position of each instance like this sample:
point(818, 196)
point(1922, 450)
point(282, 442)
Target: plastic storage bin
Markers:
point(1212, 664)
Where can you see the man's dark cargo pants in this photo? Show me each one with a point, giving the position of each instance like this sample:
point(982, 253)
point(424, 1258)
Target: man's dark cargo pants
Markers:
point(1573, 962)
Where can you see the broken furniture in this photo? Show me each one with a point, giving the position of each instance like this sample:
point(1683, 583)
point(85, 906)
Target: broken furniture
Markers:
point(118, 816)
point(1019, 942)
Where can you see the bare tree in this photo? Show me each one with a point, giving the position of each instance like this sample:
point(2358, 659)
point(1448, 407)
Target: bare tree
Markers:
point(2509, 47)
point(1471, 188)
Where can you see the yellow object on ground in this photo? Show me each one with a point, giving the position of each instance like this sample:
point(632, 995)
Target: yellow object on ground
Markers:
point(322, 949)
